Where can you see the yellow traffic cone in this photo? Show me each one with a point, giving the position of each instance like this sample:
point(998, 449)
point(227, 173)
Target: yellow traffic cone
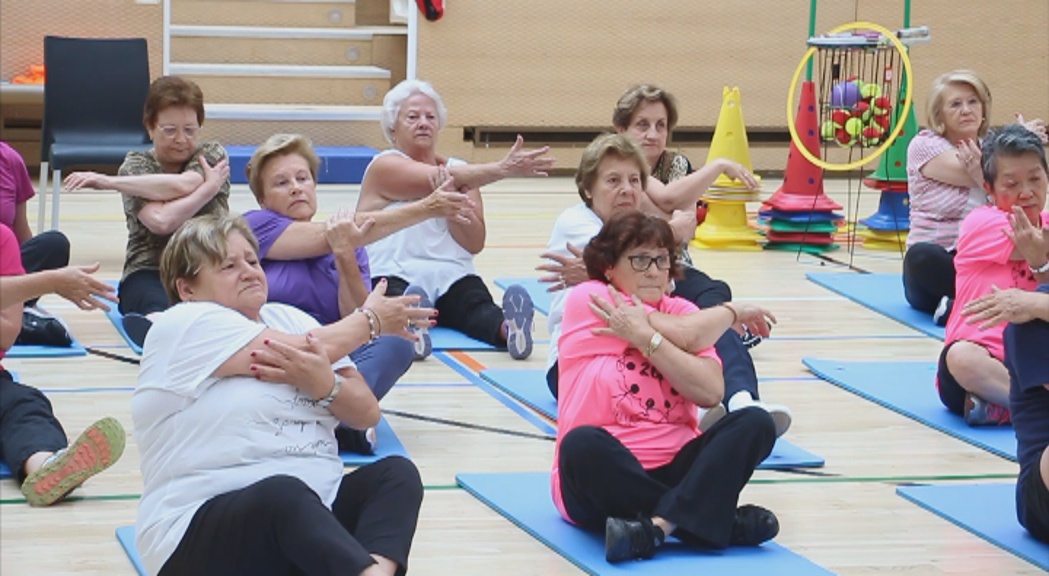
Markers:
point(730, 138)
point(725, 227)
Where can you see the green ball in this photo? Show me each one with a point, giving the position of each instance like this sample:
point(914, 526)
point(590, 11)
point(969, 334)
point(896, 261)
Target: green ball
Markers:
point(854, 126)
point(828, 129)
point(871, 90)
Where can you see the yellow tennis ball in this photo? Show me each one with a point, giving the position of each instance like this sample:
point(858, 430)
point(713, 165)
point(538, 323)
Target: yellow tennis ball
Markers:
point(871, 90)
point(828, 129)
point(854, 126)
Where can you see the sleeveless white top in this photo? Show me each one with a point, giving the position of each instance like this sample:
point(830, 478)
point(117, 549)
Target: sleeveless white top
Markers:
point(424, 254)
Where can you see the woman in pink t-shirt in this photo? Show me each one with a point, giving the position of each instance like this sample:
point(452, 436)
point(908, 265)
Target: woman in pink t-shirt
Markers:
point(629, 457)
point(1006, 246)
point(945, 183)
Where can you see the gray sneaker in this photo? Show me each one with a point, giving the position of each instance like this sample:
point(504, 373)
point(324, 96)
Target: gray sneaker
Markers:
point(423, 346)
point(518, 313)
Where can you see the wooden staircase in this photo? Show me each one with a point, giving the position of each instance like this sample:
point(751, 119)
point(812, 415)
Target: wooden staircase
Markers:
point(318, 67)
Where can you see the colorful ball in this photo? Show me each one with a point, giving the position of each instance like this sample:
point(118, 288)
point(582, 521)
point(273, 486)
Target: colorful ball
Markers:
point(861, 110)
point(881, 105)
point(840, 117)
point(844, 95)
point(854, 126)
point(829, 129)
point(844, 139)
point(869, 91)
point(882, 121)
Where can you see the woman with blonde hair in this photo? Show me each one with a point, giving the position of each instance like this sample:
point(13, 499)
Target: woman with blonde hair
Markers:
point(945, 183)
point(235, 411)
point(322, 267)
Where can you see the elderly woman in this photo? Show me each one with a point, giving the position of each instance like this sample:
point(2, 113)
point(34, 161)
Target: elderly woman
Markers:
point(435, 258)
point(945, 183)
point(162, 188)
point(235, 411)
point(1006, 246)
point(322, 268)
point(630, 459)
point(1026, 340)
point(647, 114)
point(611, 179)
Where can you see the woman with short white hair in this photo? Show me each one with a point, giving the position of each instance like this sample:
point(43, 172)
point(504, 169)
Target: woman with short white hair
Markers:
point(434, 259)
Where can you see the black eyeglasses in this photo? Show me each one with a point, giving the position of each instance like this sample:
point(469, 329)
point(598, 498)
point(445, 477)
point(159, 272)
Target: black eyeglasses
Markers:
point(643, 263)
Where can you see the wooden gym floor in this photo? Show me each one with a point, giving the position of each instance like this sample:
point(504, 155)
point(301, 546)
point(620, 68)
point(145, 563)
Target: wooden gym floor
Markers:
point(847, 519)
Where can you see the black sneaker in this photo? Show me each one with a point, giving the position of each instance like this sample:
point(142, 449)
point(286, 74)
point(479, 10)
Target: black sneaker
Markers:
point(749, 338)
point(136, 326)
point(41, 329)
point(631, 539)
point(753, 525)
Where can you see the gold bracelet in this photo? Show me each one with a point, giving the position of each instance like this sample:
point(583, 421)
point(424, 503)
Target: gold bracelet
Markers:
point(731, 308)
point(654, 343)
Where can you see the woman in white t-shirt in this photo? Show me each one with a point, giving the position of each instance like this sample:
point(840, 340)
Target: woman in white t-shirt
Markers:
point(435, 258)
point(235, 411)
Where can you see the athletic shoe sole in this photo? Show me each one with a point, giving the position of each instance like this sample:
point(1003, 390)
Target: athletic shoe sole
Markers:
point(97, 448)
point(519, 312)
point(424, 345)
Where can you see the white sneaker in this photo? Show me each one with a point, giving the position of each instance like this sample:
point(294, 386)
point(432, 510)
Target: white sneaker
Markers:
point(711, 416)
point(780, 415)
point(943, 311)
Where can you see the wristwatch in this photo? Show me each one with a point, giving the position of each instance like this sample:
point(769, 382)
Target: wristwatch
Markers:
point(327, 400)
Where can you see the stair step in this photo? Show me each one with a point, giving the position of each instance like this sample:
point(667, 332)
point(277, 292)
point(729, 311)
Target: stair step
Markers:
point(319, 13)
point(339, 164)
point(288, 46)
point(292, 112)
point(282, 71)
point(358, 33)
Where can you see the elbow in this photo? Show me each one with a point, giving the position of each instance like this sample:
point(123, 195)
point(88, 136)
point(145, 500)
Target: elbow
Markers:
point(158, 224)
point(187, 183)
point(371, 418)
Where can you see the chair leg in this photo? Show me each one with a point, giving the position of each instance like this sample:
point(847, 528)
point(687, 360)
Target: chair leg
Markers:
point(56, 188)
point(41, 196)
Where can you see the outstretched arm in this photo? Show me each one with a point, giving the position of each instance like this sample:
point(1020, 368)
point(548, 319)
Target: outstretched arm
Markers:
point(684, 193)
point(395, 178)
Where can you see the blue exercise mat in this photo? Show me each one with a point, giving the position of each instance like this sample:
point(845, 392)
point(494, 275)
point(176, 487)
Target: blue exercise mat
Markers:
point(34, 351)
point(909, 388)
point(524, 499)
point(882, 293)
point(986, 510)
point(529, 388)
point(387, 444)
point(117, 319)
point(448, 339)
point(126, 537)
point(537, 290)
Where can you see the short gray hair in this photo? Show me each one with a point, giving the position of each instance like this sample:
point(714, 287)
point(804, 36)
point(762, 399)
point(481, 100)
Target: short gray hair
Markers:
point(1011, 140)
point(391, 104)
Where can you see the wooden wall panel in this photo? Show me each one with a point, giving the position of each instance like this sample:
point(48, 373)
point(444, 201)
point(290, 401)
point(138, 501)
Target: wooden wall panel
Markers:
point(563, 64)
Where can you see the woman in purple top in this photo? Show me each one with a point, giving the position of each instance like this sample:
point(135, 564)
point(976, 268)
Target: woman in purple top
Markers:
point(321, 268)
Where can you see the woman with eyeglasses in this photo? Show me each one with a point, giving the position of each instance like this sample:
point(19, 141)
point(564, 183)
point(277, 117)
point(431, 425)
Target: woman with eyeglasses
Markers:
point(177, 179)
point(612, 178)
point(630, 459)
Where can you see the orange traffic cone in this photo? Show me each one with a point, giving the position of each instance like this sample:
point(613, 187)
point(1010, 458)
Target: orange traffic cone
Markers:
point(802, 189)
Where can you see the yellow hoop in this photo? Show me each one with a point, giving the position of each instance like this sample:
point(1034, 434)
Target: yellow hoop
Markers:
point(899, 121)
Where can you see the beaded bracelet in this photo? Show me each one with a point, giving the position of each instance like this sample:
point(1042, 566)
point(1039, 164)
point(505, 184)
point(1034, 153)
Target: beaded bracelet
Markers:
point(374, 326)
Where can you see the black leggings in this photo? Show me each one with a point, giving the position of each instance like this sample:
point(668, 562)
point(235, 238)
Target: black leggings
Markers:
point(27, 425)
point(45, 251)
point(280, 527)
point(698, 490)
point(142, 293)
point(467, 306)
point(928, 276)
